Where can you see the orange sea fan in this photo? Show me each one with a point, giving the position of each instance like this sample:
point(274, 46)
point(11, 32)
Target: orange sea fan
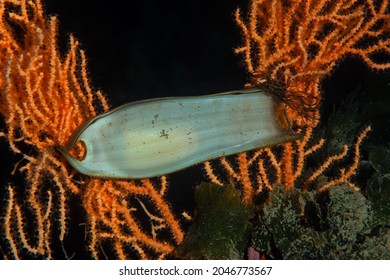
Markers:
point(289, 46)
point(44, 98)
point(114, 209)
point(296, 43)
point(285, 165)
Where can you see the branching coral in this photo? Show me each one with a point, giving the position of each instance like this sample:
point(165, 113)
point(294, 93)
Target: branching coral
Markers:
point(289, 47)
point(285, 165)
point(296, 43)
point(113, 208)
point(44, 98)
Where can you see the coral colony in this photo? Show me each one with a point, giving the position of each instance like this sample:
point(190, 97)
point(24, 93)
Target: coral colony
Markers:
point(288, 48)
point(296, 45)
point(45, 97)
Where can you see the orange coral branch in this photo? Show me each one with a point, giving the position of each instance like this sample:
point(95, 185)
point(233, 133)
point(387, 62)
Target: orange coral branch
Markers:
point(288, 47)
point(347, 173)
point(42, 102)
point(286, 164)
point(113, 217)
point(44, 98)
point(297, 43)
